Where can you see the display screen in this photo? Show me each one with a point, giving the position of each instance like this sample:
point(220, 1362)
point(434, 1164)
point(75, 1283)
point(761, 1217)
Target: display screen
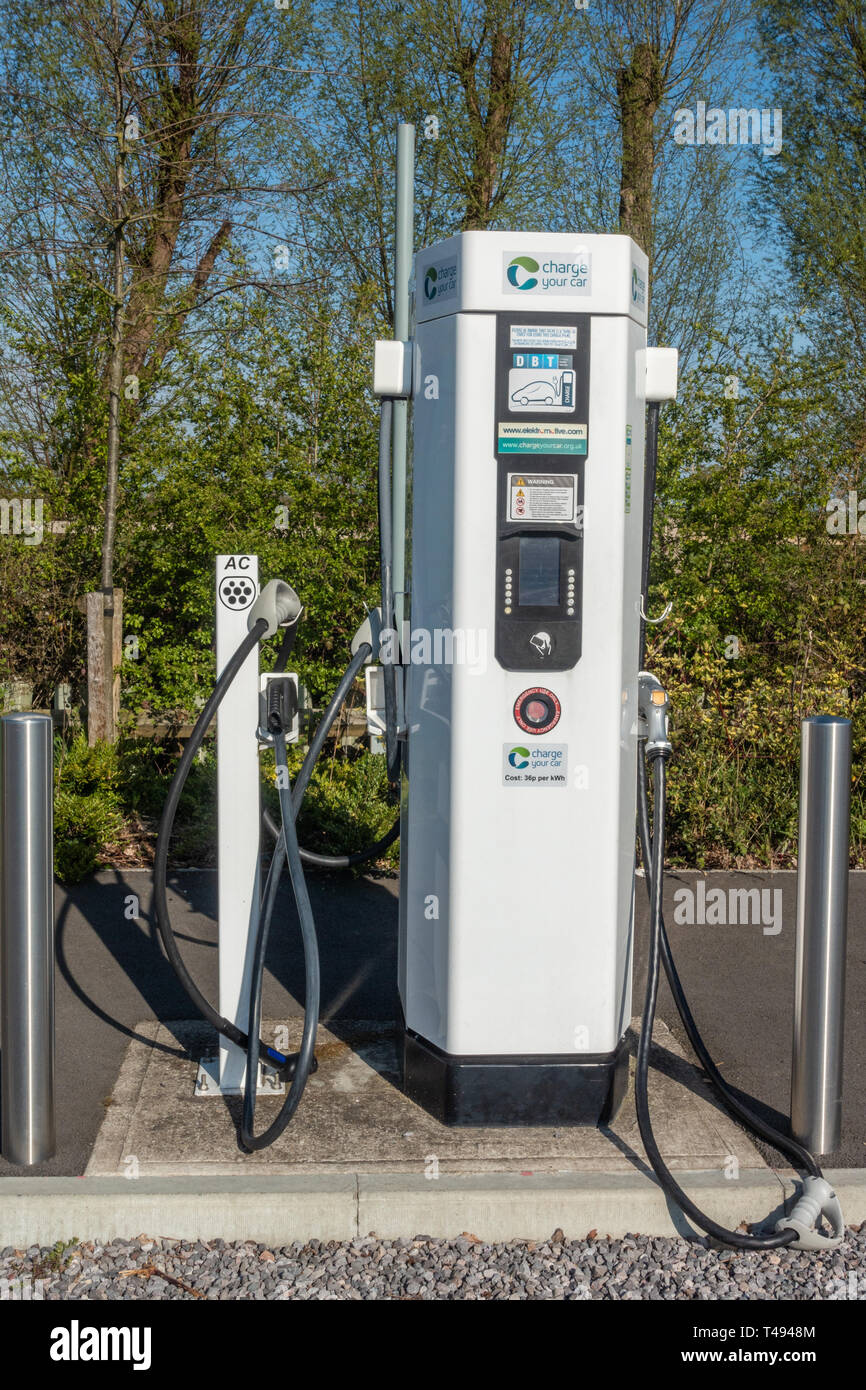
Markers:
point(539, 572)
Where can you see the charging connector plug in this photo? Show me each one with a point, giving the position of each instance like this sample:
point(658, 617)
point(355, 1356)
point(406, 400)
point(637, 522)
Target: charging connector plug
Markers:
point(653, 712)
point(278, 707)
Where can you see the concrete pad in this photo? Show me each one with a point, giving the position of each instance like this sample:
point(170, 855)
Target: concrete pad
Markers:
point(354, 1119)
point(738, 980)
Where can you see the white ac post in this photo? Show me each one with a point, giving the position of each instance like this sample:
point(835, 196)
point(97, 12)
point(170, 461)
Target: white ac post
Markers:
point(238, 825)
point(238, 813)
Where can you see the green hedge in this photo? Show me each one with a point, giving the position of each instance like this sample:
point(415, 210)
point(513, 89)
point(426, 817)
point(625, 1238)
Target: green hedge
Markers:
point(108, 800)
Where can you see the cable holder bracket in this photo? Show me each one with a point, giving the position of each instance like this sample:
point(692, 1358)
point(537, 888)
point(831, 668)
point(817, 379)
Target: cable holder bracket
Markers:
point(665, 613)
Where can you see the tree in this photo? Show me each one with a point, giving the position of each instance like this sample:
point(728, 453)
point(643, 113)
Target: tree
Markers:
point(643, 59)
point(814, 192)
point(481, 79)
point(768, 623)
point(134, 156)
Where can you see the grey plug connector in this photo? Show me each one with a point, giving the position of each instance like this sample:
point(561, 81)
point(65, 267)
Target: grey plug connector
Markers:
point(278, 604)
point(282, 703)
point(816, 1200)
point(279, 706)
point(369, 632)
point(653, 709)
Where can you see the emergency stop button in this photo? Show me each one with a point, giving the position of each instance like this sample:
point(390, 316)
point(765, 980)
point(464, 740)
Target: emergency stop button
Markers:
point(537, 710)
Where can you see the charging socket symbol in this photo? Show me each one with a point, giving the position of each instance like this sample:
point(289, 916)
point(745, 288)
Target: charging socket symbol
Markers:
point(236, 591)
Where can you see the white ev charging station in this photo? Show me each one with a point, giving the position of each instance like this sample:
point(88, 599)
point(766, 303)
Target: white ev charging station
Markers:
point(529, 389)
point(511, 707)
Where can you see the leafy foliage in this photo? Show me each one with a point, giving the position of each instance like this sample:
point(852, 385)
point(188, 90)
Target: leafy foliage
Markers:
point(255, 430)
point(769, 623)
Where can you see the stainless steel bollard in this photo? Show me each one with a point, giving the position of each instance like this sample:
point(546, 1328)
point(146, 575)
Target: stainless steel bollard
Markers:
point(26, 938)
point(822, 923)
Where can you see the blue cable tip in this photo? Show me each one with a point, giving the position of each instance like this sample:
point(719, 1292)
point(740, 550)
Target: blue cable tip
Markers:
point(276, 1057)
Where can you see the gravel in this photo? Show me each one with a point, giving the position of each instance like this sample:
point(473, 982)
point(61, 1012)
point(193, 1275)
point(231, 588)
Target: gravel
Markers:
point(636, 1267)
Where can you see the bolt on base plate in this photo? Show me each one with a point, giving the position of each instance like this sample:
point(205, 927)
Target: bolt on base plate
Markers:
point(207, 1081)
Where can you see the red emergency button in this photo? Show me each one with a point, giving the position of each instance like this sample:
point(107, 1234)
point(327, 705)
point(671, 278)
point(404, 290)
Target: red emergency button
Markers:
point(537, 710)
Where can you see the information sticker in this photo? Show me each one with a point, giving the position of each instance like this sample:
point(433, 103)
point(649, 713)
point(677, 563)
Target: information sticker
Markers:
point(559, 337)
point(540, 437)
point(542, 765)
point(543, 392)
point(542, 497)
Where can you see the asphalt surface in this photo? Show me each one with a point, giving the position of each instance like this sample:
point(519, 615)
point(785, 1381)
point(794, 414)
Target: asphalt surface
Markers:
point(739, 980)
point(111, 974)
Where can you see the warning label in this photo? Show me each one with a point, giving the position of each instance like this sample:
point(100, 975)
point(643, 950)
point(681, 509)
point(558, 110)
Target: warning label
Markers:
point(540, 437)
point(542, 497)
point(543, 765)
point(542, 335)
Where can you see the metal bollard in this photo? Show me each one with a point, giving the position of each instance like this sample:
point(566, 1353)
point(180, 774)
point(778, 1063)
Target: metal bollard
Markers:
point(26, 938)
point(822, 913)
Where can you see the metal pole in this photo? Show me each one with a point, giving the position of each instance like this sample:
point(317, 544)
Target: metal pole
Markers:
point(27, 938)
point(405, 237)
point(822, 911)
